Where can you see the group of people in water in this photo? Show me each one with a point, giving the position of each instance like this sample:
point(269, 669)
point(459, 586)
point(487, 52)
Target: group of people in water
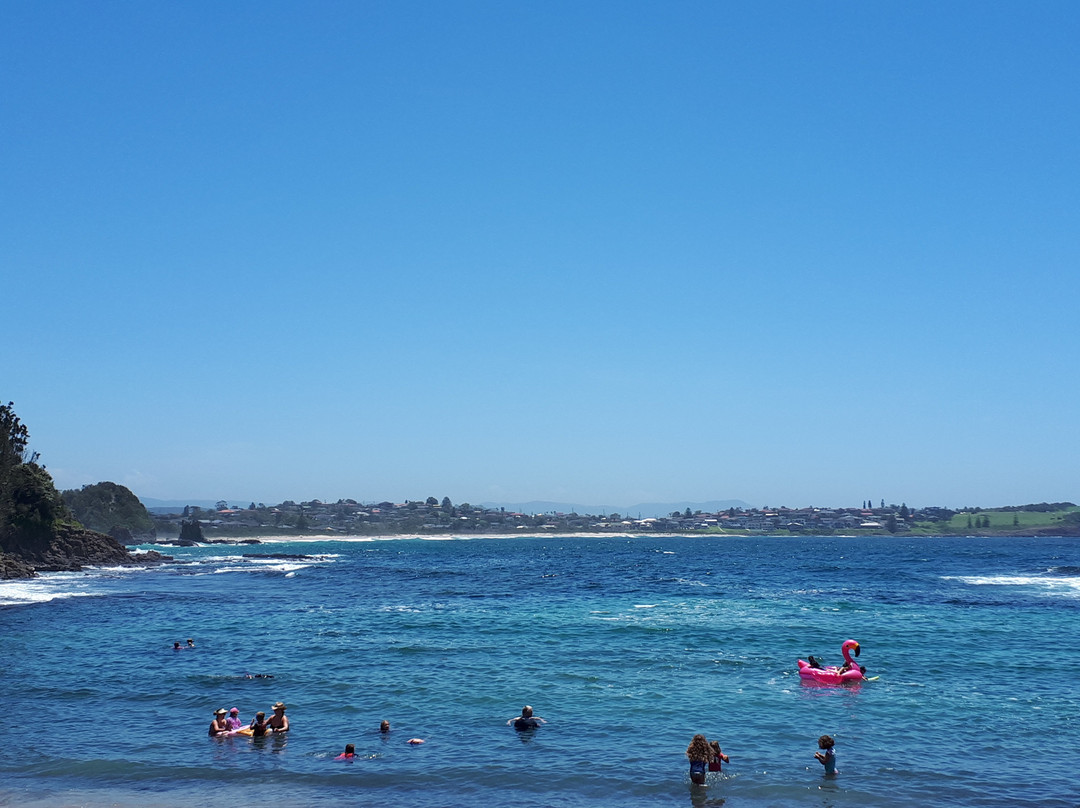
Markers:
point(227, 722)
point(706, 756)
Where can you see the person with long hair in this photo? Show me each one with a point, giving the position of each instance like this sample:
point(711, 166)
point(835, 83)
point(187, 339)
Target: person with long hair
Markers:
point(700, 755)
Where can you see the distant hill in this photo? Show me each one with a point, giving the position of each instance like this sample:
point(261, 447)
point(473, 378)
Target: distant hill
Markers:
point(175, 505)
point(644, 509)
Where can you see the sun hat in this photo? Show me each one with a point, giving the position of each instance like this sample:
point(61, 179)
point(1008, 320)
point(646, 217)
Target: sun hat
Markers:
point(278, 706)
point(234, 710)
point(219, 711)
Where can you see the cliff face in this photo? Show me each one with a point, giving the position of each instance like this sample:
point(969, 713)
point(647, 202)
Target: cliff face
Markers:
point(69, 549)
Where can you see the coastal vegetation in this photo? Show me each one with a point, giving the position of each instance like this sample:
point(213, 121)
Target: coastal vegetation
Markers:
point(110, 508)
point(38, 532)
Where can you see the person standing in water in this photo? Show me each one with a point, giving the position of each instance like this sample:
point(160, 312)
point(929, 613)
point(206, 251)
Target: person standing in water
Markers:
point(718, 757)
point(278, 721)
point(218, 725)
point(700, 755)
point(827, 757)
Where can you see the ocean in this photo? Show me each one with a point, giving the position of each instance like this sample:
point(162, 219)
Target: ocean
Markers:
point(627, 646)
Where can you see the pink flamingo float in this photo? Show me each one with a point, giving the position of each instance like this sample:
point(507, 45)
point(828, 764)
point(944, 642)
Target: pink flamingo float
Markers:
point(833, 675)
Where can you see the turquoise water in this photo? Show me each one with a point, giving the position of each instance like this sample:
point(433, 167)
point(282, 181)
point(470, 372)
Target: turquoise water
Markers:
point(627, 646)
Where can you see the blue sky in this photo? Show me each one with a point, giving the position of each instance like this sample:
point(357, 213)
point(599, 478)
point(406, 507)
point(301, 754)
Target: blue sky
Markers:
point(789, 253)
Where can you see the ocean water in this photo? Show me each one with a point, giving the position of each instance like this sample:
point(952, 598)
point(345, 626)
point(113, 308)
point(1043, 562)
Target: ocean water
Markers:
point(627, 646)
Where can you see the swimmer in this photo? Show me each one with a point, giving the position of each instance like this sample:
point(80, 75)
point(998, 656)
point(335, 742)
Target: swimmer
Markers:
point(258, 725)
point(415, 741)
point(526, 720)
point(348, 754)
point(190, 642)
point(828, 757)
point(278, 721)
point(176, 646)
point(384, 727)
point(218, 726)
point(699, 753)
point(233, 722)
point(717, 756)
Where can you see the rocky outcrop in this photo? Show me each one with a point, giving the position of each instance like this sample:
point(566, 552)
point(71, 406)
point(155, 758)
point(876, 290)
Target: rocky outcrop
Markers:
point(12, 567)
point(72, 548)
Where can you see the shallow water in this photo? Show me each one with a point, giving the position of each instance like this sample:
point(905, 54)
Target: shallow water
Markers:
point(628, 646)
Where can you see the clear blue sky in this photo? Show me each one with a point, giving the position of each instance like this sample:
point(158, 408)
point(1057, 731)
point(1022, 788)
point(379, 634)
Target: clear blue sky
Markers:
point(604, 252)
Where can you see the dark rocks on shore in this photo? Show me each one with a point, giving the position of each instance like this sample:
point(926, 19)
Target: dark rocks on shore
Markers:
point(69, 550)
point(191, 543)
point(12, 567)
point(283, 556)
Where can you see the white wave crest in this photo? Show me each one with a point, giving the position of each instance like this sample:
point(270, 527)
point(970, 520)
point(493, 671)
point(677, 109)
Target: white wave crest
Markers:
point(1065, 586)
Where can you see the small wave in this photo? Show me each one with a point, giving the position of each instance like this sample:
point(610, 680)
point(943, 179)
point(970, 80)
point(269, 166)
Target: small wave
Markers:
point(1068, 586)
point(42, 589)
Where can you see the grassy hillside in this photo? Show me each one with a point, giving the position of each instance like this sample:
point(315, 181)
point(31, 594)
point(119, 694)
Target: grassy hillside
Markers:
point(1004, 521)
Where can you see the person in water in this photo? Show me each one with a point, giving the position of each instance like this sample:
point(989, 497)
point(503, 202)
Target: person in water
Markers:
point(190, 642)
point(700, 755)
point(717, 756)
point(827, 757)
point(176, 646)
point(278, 721)
point(348, 754)
point(233, 721)
point(384, 727)
point(526, 720)
point(258, 725)
point(218, 725)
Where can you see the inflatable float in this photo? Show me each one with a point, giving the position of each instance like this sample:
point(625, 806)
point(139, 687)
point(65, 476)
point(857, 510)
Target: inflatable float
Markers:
point(833, 675)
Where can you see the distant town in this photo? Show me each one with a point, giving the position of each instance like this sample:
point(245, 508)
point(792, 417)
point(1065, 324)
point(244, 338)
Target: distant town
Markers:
point(442, 517)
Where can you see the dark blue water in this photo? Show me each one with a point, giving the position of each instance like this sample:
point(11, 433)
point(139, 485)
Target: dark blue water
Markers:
point(627, 646)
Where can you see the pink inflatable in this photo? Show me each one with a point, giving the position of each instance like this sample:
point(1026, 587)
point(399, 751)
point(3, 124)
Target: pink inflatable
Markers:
point(832, 675)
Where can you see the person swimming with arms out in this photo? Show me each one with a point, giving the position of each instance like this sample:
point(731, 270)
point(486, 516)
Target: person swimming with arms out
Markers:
point(700, 754)
point(827, 758)
point(526, 720)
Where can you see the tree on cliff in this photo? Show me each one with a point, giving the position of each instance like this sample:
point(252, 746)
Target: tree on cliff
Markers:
point(37, 532)
point(30, 506)
point(107, 506)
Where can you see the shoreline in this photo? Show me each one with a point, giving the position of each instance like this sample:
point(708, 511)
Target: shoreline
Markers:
point(311, 538)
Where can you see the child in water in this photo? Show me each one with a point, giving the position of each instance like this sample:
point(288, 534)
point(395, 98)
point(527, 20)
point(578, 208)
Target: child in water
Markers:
point(717, 756)
point(699, 753)
point(827, 758)
point(348, 754)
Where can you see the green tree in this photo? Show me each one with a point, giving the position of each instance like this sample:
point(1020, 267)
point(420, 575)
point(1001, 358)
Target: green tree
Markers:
point(105, 506)
point(31, 509)
point(890, 523)
point(446, 504)
point(687, 513)
point(431, 501)
point(904, 512)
